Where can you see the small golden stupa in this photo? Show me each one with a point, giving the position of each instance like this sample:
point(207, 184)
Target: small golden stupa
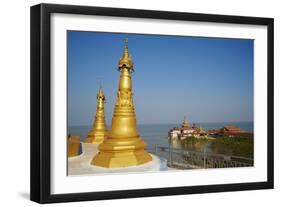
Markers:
point(98, 132)
point(123, 146)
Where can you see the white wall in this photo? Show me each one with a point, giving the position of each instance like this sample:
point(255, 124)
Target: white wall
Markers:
point(14, 110)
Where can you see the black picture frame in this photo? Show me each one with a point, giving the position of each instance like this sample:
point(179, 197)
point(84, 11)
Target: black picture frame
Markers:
point(41, 99)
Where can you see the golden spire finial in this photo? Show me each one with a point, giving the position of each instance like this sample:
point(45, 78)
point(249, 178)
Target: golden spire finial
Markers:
point(100, 87)
point(100, 94)
point(126, 42)
point(126, 61)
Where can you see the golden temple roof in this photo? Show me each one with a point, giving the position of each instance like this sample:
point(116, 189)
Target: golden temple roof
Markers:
point(185, 123)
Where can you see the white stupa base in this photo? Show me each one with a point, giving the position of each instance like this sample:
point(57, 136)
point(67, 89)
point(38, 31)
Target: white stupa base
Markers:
point(81, 165)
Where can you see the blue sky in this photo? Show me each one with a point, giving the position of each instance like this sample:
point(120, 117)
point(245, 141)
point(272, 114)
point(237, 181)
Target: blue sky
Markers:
point(204, 79)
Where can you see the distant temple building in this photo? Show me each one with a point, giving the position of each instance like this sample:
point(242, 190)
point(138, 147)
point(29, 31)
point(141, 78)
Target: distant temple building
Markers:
point(230, 131)
point(186, 131)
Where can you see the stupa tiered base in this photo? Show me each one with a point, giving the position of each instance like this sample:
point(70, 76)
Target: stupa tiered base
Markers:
point(118, 153)
point(81, 165)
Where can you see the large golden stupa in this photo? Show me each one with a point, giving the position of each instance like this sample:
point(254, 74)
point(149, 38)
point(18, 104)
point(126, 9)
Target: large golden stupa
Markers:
point(98, 132)
point(123, 146)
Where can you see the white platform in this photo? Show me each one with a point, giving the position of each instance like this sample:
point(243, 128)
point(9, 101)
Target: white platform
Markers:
point(80, 165)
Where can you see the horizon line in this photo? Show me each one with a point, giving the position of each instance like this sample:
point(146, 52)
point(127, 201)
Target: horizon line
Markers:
point(176, 123)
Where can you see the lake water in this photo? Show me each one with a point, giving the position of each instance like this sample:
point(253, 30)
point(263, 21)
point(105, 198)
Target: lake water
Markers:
point(157, 134)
